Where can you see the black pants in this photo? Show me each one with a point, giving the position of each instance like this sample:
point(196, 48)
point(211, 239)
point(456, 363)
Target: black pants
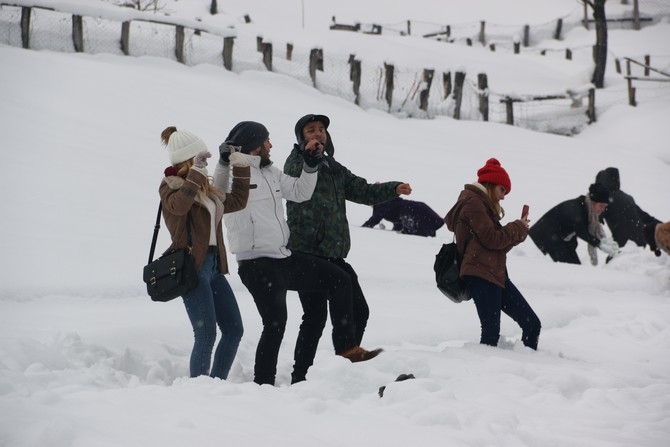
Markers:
point(315, 313)
point(268, 280)
point(559, 250)
point(491, 299)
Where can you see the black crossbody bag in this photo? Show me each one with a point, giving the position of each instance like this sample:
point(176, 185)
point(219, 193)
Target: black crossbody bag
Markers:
point(174, 273)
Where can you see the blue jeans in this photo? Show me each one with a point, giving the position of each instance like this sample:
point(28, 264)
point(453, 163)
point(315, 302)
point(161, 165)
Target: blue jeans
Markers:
point(210, 304)
point(491, 300)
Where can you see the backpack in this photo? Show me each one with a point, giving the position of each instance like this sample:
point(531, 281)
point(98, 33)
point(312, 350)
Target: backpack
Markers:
point(447, 269)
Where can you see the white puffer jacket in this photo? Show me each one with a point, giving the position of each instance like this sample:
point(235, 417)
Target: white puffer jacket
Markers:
point(260, 229)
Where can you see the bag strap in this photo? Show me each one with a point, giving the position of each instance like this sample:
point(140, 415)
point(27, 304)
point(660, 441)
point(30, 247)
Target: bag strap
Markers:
point(158, 227)
point(467, 240)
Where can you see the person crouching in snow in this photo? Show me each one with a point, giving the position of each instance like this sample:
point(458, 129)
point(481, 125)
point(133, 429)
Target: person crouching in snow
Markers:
point(556, 233)
point(407, 217)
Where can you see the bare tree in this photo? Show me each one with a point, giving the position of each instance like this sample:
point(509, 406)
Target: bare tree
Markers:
point(600, 52)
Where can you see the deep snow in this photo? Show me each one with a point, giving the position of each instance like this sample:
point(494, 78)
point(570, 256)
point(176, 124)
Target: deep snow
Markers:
point(89, 360)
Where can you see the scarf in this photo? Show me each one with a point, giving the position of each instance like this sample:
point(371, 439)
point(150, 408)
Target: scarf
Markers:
point(596, 229)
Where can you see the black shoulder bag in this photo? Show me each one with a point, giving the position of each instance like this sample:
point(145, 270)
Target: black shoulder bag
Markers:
point(174, 273)
point(448, 270)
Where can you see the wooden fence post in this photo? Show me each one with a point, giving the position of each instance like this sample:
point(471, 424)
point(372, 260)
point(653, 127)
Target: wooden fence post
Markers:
point(617, 65)
point(647, 63)
point(586, 14)
point(468, 41)
point(568, 54)
point(389, 69)
point(492, 47)
point(517, 46)
point(409, 28)
point(631, 92)
point(526, 36)
point(559, 28)
point(423, 96)
point(267, 55)
point(315, 63)
point(179, 43)
point(591, 111)
point(446, 83)
point(289, 51)
point(509, 107)
point(483, 86)
point(26, 11)
point(636, 15)
point(355, 77)
point(125, 37)
point(628, 67)
point(228, 43)
point(459, 80)
point(259, 44)
point(78, 33)
point(482, 32)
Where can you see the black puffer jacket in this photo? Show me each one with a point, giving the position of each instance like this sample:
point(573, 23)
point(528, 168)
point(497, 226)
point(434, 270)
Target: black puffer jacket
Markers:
point(624, 218)
point(562, 224)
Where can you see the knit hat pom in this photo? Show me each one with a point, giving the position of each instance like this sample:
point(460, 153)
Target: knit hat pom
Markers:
point(181, 145)
point(492, 172)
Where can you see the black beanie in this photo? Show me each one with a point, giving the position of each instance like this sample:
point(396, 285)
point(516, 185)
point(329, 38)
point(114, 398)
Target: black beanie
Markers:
point(599, 193)
point(249, 135)
point(310, 118)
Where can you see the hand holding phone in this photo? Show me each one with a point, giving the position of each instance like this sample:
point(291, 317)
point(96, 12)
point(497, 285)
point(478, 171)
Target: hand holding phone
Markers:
point(524, 212)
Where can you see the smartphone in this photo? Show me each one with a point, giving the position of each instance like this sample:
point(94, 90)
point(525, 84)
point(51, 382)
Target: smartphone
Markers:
point(524, 211)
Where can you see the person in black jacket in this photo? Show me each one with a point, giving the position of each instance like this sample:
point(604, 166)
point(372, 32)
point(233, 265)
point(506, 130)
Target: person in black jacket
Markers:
point(407, 217)
point(625, 219)
point(556, 233)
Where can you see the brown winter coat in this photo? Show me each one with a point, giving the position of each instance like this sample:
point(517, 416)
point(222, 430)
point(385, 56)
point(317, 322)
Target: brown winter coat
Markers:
point(178, 196)
point(662, 234)
point(486, 254)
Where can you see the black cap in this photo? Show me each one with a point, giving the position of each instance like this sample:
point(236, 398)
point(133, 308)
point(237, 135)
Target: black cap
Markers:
point(310, 118)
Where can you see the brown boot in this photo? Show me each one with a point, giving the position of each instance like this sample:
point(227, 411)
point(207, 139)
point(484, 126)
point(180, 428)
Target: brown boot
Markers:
point(358, 354)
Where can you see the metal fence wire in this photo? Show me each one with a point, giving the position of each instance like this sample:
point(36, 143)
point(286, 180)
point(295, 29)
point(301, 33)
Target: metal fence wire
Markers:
point(53, 30)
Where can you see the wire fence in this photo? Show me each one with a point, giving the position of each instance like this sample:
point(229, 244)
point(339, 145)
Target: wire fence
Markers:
point(404, 91)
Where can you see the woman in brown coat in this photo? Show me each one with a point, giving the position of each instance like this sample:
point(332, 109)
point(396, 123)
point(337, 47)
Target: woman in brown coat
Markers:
point(657, 235)
point(476, 218)
point(189, 200)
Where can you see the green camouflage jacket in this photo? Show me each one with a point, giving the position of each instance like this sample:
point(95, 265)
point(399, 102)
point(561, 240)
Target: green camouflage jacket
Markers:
point(319, 226)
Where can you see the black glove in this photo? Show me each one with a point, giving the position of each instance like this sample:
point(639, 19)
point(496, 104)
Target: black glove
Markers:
point(225, 149)
point(313, 159)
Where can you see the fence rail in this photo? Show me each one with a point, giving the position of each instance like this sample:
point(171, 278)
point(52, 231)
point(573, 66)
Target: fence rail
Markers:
point(405, 91)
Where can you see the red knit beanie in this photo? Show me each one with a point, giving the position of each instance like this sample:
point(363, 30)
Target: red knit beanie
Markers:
point(492, 172)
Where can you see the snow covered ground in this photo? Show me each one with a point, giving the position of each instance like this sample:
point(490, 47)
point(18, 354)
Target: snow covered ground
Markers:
point(88, 360)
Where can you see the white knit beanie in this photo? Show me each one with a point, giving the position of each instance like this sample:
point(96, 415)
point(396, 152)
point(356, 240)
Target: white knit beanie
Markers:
point(183, 146)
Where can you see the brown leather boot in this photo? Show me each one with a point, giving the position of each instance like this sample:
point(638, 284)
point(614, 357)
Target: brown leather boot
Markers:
point(358, 354)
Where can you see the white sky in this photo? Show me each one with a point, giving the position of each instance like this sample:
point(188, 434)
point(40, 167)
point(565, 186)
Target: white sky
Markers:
point(88, 360)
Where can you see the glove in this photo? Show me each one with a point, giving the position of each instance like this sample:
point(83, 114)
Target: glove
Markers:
point(313, 159)
point(238, 160)
point(225, 149)
point(609, 246)
point(200, 160)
